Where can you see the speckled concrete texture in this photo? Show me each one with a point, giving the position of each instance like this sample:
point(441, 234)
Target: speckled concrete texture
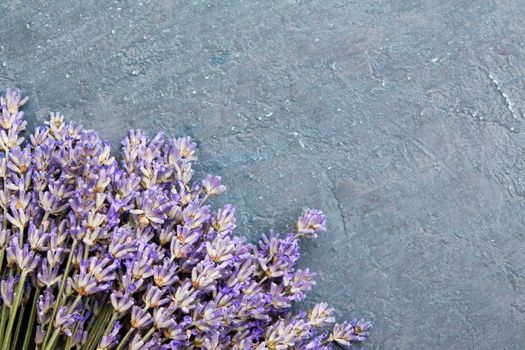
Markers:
point(403, 120)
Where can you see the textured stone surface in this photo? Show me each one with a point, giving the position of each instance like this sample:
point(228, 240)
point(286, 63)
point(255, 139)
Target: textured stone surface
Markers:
point(402, 120)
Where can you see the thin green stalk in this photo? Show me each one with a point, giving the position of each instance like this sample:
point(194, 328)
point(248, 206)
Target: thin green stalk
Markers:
point(75, 303)
point(109, 327)
point(60, 292)
point(147, 335)
point(86, 251)
point(13, 311)
point(96, 332)
point(21, 234)
point(3, 321)
point(52, 340)
point(123, 341)
point(92, 334)
point(2, 253)
point(18, 325)
point(92, 320)
point(206, 196)
point(31, 322)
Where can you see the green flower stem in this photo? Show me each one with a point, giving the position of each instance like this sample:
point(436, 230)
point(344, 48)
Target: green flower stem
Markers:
point(2, 253)
point(109, 327)
point(75, 303)
point(3, 322)
point(54, 337)
point(18, 325)
point(86, 251)
point(147, 335)
point(12, 313)
point(96, 332)
point(92, 320)
point(60, 292)
point(123, 341)
point(31, 322)
point(206, 196)
point(21, 234)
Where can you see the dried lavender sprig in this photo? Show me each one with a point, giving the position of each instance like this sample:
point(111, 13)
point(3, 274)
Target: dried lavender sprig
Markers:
point(145, 236)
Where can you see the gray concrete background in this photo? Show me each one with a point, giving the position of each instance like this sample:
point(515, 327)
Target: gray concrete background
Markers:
point(402, 120)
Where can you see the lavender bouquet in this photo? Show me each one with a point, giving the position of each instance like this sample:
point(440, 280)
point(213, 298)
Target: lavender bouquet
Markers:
point(100, 255)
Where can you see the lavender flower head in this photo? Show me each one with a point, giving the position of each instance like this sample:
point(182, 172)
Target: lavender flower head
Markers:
point(310, 223)
point(101, 254)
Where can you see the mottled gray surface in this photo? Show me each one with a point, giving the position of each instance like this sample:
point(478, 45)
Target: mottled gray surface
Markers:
point(402, 120)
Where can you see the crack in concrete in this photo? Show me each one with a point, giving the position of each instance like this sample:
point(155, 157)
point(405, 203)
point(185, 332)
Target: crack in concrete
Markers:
point(508, 102)
point(331, 186)
point(433, 156)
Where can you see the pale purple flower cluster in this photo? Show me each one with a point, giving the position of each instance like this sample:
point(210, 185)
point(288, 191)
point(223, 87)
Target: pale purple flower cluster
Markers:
point(100, 255)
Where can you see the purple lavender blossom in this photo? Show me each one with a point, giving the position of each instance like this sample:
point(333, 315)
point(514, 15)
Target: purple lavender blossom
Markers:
point(310, 223)
point(350, 332)
point(212, 185)
point(121, 302)
point(45, 306)
point(321, 315)
point(7, 288)
point(140, 318)
point(65, 321)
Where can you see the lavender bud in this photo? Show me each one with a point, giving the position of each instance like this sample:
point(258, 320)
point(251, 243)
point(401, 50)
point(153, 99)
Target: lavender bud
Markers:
point(121, 302)
point(64, 320)
point(40, 335)
point(48, 276)
point(154, 297)
point(165, 274)
point(225, 220)
point(162, 318)
point(311, 222)
point(183, 297)
point(350, 332)
point(212, 185)
point(45, 305)
point(140, 318)
point(7, 288)
point(321, 315)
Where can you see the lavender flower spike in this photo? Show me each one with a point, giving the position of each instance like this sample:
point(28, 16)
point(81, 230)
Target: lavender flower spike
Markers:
point(65, 321)
point(321, 315)
point(350, 332)
point(310, 223)
point(7, 287)
point(140, 318)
